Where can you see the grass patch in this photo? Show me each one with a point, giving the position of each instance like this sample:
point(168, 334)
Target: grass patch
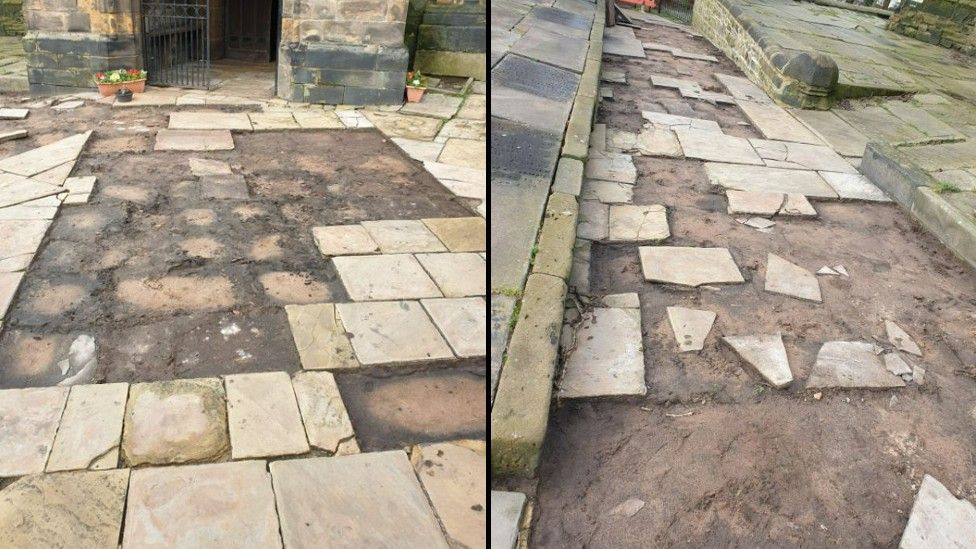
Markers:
point(943, 187)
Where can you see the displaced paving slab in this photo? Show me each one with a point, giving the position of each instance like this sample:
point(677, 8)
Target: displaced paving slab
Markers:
point(766, 354)
point(620, 40)
point(801, 156)
point(193, 140)
point(900, 339)
point(603, 355)
point(690, 327)
point(506, 518)
point(91, 428)
point(30, 420)
point(938, 519)
point(717, 147)
point(325, 501)
point(263, 417)
point(754, 203)
point(783, 277)
point(324, 414)
point(319, 337)
point(742, 89)
point(41, 159)
point(764, 179)
point(851, 365)
point(344, 240)
point(392, 332)
point(209, 120)
point(632, 223)
point(775, 123)
point(854, 186)
point(689, 266)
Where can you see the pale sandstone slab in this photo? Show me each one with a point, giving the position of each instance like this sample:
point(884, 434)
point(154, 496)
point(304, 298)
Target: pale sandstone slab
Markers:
point(324, 414)
point(214, 505)
point(833, 130)
point(801, 156)
point(80, 188)
point(464, 129)
point(21, 237)
point(621, 140)
point(754, 203)
point(850, 364)
point(690, 327)
point(460, 234)
point(13, 114)
point(310, 119)
point(717, 147)
point(854, 186)
point(468, 153)
point(56, 175)
point(783, 277)
point(900, 339)
point(272, 121)
point(765, 353)
point(16, 189)
point(462, 321)
point(939, 519)
point(263, 416)
point(631, 223)
point(434, 104)
point(79, 509)
point(798, 205)
point(403, 236)
point(325, 502)
point(594, 220)
point(339, 240)
point(658, 142)
point(474, 106)
point(44, 158)
point(766, 179)
point(607, 192)
point(454, 475)
point(506, 518)
point(28, 421)
point(424, 151)
point(457, 274)
point(175, 421)
point(462, 181)
point(206, 166)
point(209, 120)
point(629, 300)
point(608, 357)
point(9, 282)
point(395, 124)
point(689, 266)
point(775, 123)
point(663, 121)
point(383, 277)
point(742, 89)
point(354, 119)
point(897, 365)
point(193, 140)
point(91, 428)
point(319, 337)
point(391, 332)
point(619, 168)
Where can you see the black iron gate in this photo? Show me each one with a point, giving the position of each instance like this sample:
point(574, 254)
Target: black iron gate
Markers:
point(676, 9)
point(176, 42)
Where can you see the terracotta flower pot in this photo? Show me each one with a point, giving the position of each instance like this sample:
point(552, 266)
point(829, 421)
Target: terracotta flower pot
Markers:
point(135, 86)
point(414, 95)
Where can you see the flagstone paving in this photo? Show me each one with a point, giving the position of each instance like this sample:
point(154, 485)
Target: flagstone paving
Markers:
point(690, 327)
point(602, 354)
point(783, 277)
point(766, 354)
point(689, 266)
point(850, 364)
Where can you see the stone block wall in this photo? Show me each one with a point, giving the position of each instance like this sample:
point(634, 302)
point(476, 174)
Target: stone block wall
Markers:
point(452, 40)
point(947, 23)
point(67, 41)
point(343, 51)
point(12, 17)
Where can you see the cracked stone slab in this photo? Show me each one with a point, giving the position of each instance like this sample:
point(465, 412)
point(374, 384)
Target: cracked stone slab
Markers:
point(896, 364)
point(938, 519)
point(209, 120)
point(797, 205)
point(717, 147)
point(30, 419)
point(193, 140)
point(320, 337)
point(454, 475)
point(91, 428)
point(658, 142)
point(622, 140)
point(79, 189)
point(324, 414)
point(384, 277)
point(690, 327)
point(395, 124)
point(854, 186)
point(594, 220)
point(631, 223)
point(672, 122)
point(322, 502)
point(15, 189)
point(607, 192)
point(9, 282)
point(21, 237)
point(462, 322)
point(220, 504)
point(618, 168)
point(469, 153)
point(309, 119)
point(765, 353)
point(900, 339)
point(44, 158)
point(403, 236)
point(850, 364)
point(77, 509)
point(754, 203)
point(774, 122)
point(689, 266)
point(392, 332)
point(176, 421)
point(603, 355)
point(783, 277)
point(462, 181)
point(742, 89)
point(263, 417)
point(801, 156)
point(765, 179)
point(337, 240)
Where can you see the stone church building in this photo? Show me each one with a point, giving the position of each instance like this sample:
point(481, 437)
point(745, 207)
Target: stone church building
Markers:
point(320, 51)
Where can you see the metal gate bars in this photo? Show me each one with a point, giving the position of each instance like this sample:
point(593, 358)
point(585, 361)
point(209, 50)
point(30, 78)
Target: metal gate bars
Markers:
point(176, 42)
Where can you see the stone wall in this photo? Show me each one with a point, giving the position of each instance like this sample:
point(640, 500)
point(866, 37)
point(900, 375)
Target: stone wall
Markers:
point(947, 23)
point(12, 17)
point(67, 41)
point(805, 80)
point(343, 51)
point(452, 40)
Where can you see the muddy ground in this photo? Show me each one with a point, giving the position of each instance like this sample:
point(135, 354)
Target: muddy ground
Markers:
point(175, 284)
point(720, 458)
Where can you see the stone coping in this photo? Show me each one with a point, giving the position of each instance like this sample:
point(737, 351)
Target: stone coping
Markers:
point(941, 214)
point(520, 407)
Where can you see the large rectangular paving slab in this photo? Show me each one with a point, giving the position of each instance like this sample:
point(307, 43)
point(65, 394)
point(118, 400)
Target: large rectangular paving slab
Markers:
point(194, 140)
point(28, 421)
point(365, 500)
point(552, 48)
point(213, 505)
point(939, 519)
point(742, 89)
point(455, 477)
point(850, 364)
point(717, 147)
point(263, 416)
point(841, 136)
point(921, 120)
point(879, 124)
point(15, 189)
point(774, 122)
point(403, 236)
point(91, 428)
point(607, 358)
point(46, 157)
point(457, 275)
point(391, 332)
point(620, 40)
point(689, 266)
point(943, 156)
point(462, 321)
point(801, 156)
point(384, 277)
point(533, 93)
point(205, 120)
point(765, 179)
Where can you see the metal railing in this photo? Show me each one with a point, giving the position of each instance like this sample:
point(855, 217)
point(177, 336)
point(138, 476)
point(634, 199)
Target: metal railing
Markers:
point(679, 10)
point(176, 42)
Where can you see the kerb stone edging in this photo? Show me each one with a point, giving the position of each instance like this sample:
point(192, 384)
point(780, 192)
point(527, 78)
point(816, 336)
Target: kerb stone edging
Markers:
point(520, 413)
point(911, 188)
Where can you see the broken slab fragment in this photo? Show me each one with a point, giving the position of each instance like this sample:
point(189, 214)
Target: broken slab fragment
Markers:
point(783, 277)
point(91, 428)
point(691, 327)
point(716, 147)
point(765, 179)
point(324, 413)
point(626, 301)
point(897, 365)
point(851, 365)
point(939, 519)
point(798, 205)
point(506, 518)
point(630, 223)
point(755, 203)
point(765, 353)
point(605, 355)
point(760, 223)
point(854, 186)
point(900, 339)
point(263, 416)
point(689, 266)
point(827, 271)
